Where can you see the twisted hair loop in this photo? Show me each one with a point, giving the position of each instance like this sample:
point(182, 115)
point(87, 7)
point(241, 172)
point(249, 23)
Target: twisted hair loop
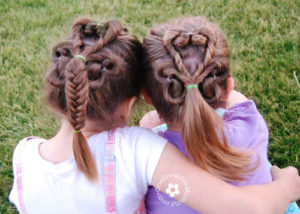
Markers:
point(208, 39)
point(175, 39)
point(61, 55)
point(167, 40)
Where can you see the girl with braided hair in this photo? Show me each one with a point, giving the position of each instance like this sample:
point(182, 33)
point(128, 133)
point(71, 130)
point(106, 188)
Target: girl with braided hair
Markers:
point(188, 81)
point(95, 163)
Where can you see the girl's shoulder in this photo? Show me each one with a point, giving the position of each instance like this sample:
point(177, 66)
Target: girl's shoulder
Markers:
point(139, 140)
point(246, 109)
point(138, 133)
point(129, 141)
point(27, 143)
point(26, 149)
point(31, 140)
point(136, 152)
point(245, 127)
point(129, 135)
point(140, 150)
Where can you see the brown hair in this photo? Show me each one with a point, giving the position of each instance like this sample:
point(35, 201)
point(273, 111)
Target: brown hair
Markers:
point(95, 88)
point(193, 51)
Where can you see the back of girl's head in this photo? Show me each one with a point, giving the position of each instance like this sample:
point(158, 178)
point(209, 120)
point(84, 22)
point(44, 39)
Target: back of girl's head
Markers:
point(181, 52)
point(92, 73)
point(187, 65)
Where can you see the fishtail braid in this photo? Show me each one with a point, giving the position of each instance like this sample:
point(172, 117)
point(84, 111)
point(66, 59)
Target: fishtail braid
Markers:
point(77, 86)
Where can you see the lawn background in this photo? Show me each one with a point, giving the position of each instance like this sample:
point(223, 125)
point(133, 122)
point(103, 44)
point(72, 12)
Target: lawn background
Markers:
point(263, 37)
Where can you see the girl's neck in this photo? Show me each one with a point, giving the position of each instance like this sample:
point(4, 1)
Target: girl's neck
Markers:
point(60, 148)
point(91, 127)
point(174, 127)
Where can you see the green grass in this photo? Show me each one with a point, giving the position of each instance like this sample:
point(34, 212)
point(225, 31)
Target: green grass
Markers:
point(263, 36)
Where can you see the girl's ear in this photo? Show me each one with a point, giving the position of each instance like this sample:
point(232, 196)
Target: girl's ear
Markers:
point(131, 103)
point(230, 84)
point(146, 96)
point(230, 87)
point(126, 108)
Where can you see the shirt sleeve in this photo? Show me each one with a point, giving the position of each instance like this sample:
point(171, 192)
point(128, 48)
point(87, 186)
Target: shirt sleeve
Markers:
point(13, 195)
point(244, 126)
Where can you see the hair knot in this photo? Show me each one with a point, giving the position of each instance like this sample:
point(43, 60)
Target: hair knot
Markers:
point(169, 36)
point(182, 39)
point(101, 28)
point(198, 39)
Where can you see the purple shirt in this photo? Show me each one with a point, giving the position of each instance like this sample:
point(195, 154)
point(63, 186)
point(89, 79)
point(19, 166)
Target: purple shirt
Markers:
point(244, 128)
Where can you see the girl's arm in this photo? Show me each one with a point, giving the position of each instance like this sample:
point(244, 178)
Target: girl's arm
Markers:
point(208, 194)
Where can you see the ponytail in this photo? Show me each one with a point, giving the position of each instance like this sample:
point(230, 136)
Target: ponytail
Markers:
point(203, 134)
point(190, 105)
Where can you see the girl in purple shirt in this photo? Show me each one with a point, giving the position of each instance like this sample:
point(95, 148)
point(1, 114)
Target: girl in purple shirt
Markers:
point(187, 79)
